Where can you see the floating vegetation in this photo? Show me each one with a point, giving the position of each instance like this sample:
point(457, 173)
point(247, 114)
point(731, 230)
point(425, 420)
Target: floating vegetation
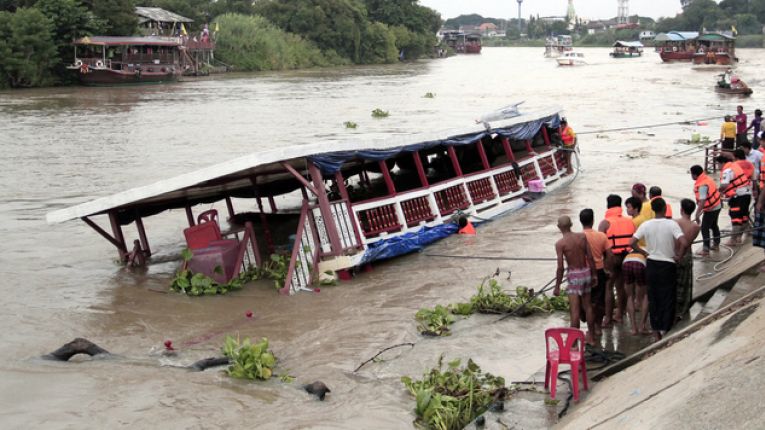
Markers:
point(276, 268)
point(379, 113)
point(434, 322)
point(248, 360)
point(453, 398)
point(429, 95)
point(350, 124)
point(199, 284)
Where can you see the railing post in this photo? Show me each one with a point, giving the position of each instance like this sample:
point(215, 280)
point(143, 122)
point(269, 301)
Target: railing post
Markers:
point(230, 207)
point(388, 179)
point(482, 154)
point(190, 216)
point(118, 236)
point(420, 169)
point(455, 162)
point(326, 211)
point(351, 214)
point(142, 235)
point(508, 150)
point(546, 136)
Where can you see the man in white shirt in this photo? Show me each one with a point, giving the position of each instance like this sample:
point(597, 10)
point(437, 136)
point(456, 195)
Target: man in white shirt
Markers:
point(664, 240)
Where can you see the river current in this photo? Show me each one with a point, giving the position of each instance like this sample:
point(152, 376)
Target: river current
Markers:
point(64, 146)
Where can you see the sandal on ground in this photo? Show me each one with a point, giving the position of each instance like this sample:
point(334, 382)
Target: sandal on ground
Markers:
point(702, 253)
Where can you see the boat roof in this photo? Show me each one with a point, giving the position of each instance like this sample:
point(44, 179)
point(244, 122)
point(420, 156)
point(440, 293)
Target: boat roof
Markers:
point(676, 36)
point(160, 15)
point(233, 178)
point(623, 44)
point(127, 40)
point(716, 37)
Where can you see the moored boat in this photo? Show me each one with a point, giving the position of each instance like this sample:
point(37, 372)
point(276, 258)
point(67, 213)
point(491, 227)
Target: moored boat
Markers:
point(676, 46)
point(571, 58)
point(358, 203)
point(715, 49)
point(111, 60)
point(624, 49)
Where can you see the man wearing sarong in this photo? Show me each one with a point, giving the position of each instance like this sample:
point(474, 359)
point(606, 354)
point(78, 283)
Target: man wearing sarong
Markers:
point(574, 249)
point(664, 240)
point(685, 265)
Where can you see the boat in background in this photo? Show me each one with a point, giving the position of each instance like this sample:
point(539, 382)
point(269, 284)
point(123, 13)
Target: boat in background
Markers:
point(344, 203)
point(676, 45)
point(571, 58)
point(715, 49)
point(462, 43)
point(555, 46)
point(624, 49)
point(735, 87)
point(112, 60)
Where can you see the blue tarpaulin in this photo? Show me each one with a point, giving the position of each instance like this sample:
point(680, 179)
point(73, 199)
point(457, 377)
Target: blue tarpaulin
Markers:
point(408, 242)
point(331, 162)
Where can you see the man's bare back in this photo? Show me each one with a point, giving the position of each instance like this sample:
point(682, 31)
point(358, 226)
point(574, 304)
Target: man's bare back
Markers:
point(573, 246)
point(690, 230)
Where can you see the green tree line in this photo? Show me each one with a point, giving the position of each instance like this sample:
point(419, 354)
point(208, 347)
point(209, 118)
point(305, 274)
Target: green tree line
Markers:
point(36, 35)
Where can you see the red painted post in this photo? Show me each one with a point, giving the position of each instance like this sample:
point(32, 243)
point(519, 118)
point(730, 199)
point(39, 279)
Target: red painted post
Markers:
point(528, 146)
point(420, 169)
point(190, 216)
point(546, 136)
point(326, 212)
point(482, 154)
point(142, 236)
point(230, 207)
point(386, 175)
point(118, 236)
point(455, 162)
point(508, 149)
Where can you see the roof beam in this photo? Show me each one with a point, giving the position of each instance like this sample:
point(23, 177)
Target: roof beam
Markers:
point(299, 177)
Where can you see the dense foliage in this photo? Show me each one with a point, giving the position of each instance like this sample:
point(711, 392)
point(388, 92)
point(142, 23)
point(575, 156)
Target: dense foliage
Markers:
point(452, 398)
point(261, 35)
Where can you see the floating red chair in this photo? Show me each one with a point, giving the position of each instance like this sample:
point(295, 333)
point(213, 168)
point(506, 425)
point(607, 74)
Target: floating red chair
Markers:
point(210, 250)
point(565, 353)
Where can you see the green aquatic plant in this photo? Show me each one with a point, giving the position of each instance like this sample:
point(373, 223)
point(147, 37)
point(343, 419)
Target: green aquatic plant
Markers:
point(379, 113)
point(276, 269)
point(434, 322)
point(199, 284)
point(350, 124)
point(452, 398)
point(491, 299)
point(248, 360)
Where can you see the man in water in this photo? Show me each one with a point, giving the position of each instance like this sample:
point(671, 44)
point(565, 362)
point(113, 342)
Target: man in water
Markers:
point(581, 273)
point(664, 240)
point(685, 265)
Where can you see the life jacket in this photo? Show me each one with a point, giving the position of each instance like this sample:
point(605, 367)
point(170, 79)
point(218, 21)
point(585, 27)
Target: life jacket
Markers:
point(713, 196)
point(568, 136)
point(739, 178)
point(668, 213)
point(747, 167)
point(762, 167)
point(468, 229)
point(620, 231)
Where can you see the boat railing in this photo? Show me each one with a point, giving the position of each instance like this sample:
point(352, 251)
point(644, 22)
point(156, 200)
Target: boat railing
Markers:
point(711, 152)
point(475, 192)
point(306, 251)
point(350, 237)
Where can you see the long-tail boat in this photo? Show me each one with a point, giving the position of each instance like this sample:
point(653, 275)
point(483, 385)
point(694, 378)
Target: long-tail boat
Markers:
point(345, 208)
point(111, 60)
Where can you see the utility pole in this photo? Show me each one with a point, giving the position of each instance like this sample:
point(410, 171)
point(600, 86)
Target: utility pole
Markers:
point(520, 23)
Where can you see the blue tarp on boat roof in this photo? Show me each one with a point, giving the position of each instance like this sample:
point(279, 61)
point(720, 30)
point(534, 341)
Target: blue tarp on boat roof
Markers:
point(676, 36)
point(686, 35)
point(332, 162)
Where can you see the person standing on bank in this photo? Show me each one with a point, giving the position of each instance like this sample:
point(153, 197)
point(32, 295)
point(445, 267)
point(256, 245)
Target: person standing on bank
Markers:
point(568, 137)
point(581, 272)
point(619, 230)
point(664, 240)
point(685, 265)
point(740, 126)
point(736, 186)
point(600, 248)
point(655, 193)
point(728, 134)
point(708, 203)
point(755, 127)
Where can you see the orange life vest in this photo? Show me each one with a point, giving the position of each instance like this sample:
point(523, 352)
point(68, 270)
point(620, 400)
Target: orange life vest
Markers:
point(620, 231)
point(762, 167)
point(668, 213)
point(468, 229)
point(739, 178)
point(747, 167)
point(713, 196)
point(568, 136)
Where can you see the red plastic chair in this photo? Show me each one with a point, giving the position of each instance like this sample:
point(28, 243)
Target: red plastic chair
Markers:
point(208, 216)
point(565, 354)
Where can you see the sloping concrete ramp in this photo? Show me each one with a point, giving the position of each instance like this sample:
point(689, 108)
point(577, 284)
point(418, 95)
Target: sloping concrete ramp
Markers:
point(712, 378)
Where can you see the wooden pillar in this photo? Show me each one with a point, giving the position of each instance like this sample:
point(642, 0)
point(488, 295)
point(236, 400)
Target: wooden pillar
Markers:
point(482, 154)
point(388, 179)
point(230, 207)
point(420, 169)
point(272, 204)
point(546, 135)
point(528, 146)
point(508, 150)
point(142, 235)
point(326, 212)
point(190, 216)
point(455, 161)
point(118, 236)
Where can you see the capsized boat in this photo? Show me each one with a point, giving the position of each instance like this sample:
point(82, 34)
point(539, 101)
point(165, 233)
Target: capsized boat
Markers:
point(349, 206)
point(571, 58)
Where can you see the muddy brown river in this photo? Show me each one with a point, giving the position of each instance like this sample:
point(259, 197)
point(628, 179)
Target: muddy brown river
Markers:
point(64, 146)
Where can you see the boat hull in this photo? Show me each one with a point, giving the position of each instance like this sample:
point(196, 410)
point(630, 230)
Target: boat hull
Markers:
point(734, 91)
point(615, 55)
point(120, 77)
point(716, 59)
point(568, 62)
point(678, 56)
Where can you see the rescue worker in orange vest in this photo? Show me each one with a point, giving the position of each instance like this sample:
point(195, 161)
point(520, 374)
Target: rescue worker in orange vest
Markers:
point(619, 230)
point(735, 185)
point(466, 227)
point(746, 165)
point(655, 193)
point(569, 142)
point(709, 203)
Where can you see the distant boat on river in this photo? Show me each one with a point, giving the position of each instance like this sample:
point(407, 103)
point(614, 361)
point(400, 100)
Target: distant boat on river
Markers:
point(676, 46)
point(571, 58)
point(624, 49)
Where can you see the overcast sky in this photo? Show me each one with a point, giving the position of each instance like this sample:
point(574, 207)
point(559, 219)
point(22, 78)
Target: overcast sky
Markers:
point(593, 9)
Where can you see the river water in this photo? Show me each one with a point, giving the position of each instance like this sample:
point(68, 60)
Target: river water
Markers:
point(64, 146)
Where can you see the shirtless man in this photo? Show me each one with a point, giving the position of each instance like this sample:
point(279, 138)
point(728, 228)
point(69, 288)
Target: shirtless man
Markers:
point(581, 273)
point(685, 265)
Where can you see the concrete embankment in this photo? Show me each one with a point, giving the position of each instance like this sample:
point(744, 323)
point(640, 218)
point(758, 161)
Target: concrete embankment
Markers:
point(708, 375)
